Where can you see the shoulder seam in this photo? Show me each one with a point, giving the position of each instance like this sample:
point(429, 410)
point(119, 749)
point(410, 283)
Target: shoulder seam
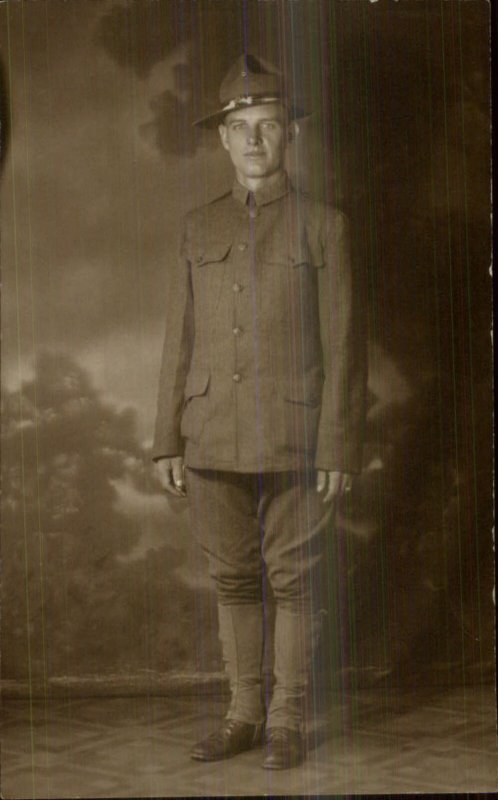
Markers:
point(210, 202)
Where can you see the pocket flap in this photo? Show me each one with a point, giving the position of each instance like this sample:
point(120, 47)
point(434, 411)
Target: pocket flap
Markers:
point(210, 253)
point(196, 384)
point(295, 252)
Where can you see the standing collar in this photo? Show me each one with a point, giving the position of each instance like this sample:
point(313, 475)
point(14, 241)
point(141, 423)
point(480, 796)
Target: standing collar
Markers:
point(267, 194)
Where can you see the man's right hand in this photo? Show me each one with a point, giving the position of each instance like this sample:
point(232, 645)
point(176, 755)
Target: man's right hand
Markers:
point(170, 472)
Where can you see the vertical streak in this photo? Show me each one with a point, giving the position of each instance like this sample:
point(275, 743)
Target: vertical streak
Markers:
point(469, 331)
point(139, 297)
point(436, 292)
point(302, 341)
point(19, 360)
point(346, 642)
point(374, 255)
point(452, 326)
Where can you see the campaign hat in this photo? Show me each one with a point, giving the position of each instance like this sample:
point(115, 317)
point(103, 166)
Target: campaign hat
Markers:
point(251, 81)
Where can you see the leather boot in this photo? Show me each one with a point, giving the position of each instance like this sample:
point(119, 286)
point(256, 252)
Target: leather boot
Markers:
point(241, 634)
point(284, 749)
point(231, 738)
point(296, 633)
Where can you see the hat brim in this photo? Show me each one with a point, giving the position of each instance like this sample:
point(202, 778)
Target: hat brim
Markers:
point(215, 118)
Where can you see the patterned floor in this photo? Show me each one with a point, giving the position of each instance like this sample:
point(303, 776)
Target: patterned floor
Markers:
point(370, 742)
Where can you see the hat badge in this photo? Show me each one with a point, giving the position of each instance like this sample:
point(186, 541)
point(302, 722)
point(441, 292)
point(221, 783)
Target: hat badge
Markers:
point(251, 81)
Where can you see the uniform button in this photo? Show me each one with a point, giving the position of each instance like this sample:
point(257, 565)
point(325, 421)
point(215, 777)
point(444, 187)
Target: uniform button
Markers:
point(236, 377)
point(237, 287)
point(242, 246)
point(236, 331)
point(199, 259)
point(253, 213)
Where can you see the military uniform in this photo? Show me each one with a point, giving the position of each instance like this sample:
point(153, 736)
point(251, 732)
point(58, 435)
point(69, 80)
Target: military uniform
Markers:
point(261, 369)
point(263, 381)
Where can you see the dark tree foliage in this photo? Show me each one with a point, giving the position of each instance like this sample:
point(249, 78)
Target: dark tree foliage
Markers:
point(74, 600)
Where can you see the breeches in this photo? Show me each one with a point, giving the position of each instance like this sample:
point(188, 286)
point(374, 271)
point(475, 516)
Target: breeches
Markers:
point(257, 526)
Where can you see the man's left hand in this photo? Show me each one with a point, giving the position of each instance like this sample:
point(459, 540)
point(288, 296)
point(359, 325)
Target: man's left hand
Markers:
point(333, 483)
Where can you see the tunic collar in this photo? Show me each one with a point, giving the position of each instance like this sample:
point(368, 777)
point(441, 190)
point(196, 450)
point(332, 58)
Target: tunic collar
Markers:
point(267, 194)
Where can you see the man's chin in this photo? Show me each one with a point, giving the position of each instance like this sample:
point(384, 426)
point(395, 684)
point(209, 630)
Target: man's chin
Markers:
point(256, 171)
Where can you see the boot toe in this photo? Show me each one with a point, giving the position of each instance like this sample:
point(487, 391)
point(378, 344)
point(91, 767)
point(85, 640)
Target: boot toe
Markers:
point(284, 749)
point(231, 738)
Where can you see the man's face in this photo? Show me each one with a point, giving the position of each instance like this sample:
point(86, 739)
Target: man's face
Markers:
point(256, 138)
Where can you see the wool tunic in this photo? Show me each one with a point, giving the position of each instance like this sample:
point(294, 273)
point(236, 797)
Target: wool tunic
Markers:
point(264, 358)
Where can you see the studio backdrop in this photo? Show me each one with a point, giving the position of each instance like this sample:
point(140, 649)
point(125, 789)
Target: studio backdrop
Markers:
point(102, 583)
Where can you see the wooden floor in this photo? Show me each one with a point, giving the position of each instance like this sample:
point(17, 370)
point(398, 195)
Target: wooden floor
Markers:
point(367, 742)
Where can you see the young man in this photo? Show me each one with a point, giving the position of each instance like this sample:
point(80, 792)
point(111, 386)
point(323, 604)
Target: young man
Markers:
point(261, 406)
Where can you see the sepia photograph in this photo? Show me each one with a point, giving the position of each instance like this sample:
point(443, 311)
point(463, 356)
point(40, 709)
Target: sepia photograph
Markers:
point(247, 494)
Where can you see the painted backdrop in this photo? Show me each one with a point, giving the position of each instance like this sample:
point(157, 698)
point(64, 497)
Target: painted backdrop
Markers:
point(100, 162)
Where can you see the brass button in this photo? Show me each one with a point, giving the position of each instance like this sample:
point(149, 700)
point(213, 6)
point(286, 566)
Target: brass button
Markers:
point(236, 331)
point(237, 287)
point(242, 246)
point(236, 378)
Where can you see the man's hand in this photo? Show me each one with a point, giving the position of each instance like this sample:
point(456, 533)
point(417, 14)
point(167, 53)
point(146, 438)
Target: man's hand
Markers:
point(170, 473)
point(336, 483)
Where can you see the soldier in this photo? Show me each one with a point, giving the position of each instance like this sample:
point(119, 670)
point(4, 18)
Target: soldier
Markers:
point(261, 406)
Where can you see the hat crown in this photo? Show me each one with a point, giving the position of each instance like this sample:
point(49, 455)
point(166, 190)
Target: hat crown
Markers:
point(251, 76)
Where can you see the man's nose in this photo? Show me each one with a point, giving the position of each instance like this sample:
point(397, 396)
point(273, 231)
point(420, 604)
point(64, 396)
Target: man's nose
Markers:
point(253, 135)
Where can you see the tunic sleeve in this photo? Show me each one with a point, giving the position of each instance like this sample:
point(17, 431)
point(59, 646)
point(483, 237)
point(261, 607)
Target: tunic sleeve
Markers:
point(176, 356)
point(342, 332)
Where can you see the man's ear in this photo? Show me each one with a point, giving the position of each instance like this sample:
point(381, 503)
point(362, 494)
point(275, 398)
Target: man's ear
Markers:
point(223, 135)
point(292, 132)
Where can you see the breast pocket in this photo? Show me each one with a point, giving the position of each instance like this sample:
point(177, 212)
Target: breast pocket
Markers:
point(293, 250)
point(209, 271)
point(292, 274)
point(203, 254)
point(196, 404)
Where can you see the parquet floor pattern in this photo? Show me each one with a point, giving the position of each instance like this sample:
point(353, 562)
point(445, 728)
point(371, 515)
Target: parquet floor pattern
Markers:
point(369, 741)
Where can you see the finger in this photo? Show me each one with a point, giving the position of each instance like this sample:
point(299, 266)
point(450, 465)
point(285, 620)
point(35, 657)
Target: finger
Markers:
point(167, 481)
point(174, 490)
point(168, 487)
point(163, 471)
point(320, 480)
point(347, 484)
point(178, 475)
point(334, 485)
point(331, 493)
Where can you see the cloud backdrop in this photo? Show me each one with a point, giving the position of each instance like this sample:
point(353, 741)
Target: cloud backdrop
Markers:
point(101, 165)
